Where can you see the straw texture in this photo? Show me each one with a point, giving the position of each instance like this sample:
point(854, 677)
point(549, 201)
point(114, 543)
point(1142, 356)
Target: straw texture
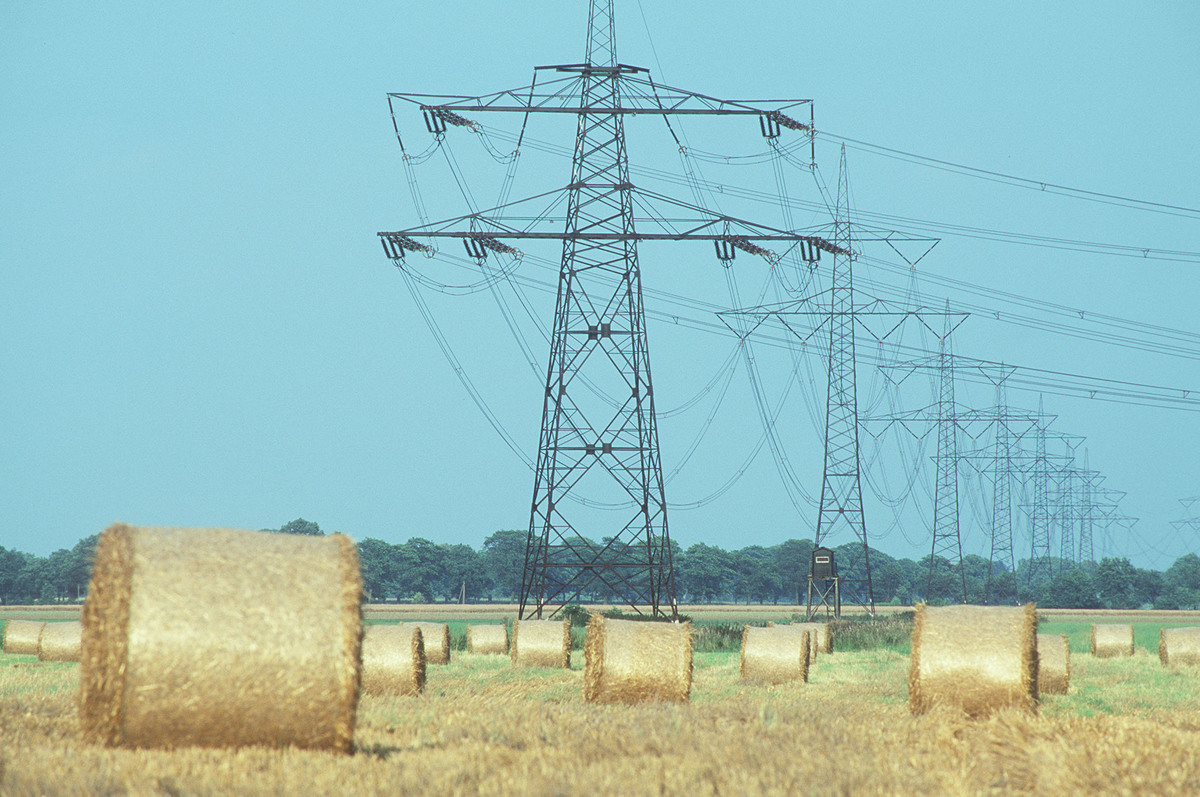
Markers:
point(61, 641)
point(541, 643)
point(1179, 646)
point(393, 660)
point(776, 654)
point(631, 661)
point(221, 638)
point(21, 636)
point(437, 641)
point(1054, 664)
point(979, 658)
point(1112, 639)
point(491, 639)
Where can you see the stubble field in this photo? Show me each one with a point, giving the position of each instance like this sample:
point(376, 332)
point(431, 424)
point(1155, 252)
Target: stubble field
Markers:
point(1128, 726)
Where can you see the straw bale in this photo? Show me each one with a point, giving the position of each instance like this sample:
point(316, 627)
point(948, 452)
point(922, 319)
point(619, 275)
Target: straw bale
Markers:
point(820, 640)
point(1112, 639)
point(437, 641)
point(541, 643)
point(1054, 664)
point(393, 660)
point(775, 654)
point(61, 641)
point(221, 638)
point(1179, 646)
point(21, 636)
point(978, 658)
point(631, 661)
point(492, 639)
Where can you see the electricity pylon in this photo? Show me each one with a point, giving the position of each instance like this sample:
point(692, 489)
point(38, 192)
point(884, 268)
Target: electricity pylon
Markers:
point(1039, 519)
point(841, 508)
point(947, 541)
point(599, 431)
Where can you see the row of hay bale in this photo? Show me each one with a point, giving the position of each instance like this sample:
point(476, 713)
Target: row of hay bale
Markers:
point(982, 658)
point(57, 641)
point(394, 657)
point(215, 637)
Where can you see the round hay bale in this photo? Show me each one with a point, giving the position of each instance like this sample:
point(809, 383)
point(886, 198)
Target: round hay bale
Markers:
point(632, 661)
point(775, 654)
point(221, 638)
point(393, 660)
point(979, 658)
point(21, 637)
point(541, 643)
point(820, 640)
point(437, 641)
point(1112, 639)
point(61, 641)
point(489, 639)
point(1054, 664)
point(1179, 646)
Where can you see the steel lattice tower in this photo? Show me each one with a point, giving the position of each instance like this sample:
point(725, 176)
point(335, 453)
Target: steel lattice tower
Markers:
point(841, 509)
point(946, 540)
point(1002, 546)
point(599, 329)
point(1039, 559)
point(1067, 515)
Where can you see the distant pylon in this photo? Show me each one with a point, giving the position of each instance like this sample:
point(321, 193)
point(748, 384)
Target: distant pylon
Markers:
point(946, 540)
point(1039, 520)
point(1067, 511)
point(1002, 546)
point(840, 515)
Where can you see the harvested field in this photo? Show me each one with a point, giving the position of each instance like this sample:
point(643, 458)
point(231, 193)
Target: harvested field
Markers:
point(482, 726)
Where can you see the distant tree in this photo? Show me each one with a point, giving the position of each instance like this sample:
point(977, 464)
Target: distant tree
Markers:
point(1070, 589)
point(419, 563)
point(757, 574)
point(377, 559)
point(793, 558)
point(301, 526)
point(1185, 572)
point(11, 563)
point(1116, 584)
point(503, 560)
point(888, 579)
point(705, 573)
point(462, 570)
point(1181, 584)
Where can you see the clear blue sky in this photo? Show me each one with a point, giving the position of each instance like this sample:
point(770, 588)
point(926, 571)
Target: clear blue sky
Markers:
point(199, 327)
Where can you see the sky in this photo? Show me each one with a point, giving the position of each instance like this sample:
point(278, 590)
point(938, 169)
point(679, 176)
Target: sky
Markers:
point(199, 327)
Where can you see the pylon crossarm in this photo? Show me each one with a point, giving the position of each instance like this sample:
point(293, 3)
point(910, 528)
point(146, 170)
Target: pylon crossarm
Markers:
point(639, 95)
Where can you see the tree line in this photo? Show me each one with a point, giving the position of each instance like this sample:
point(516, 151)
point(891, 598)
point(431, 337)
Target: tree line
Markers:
point(422, 571)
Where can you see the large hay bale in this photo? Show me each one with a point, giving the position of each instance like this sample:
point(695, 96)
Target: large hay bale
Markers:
point(1054, 664)
point(490, 639)
point(221, 638)
point(437, 641)
point(776, 654)
point(21, 637)
point(1112, 639)
point(393, 660)
point(632, 661)
point(541, 643)
point(1179, 646)
point(61, 641)
point(979, 658)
